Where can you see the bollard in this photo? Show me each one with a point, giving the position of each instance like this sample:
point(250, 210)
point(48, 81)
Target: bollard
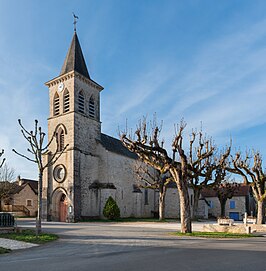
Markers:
point(245, 218)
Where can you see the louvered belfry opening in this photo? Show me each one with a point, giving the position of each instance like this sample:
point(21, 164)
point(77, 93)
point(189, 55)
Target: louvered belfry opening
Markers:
point(81, 103)
point(91, 108)
point(56, 105)
point(66, 101)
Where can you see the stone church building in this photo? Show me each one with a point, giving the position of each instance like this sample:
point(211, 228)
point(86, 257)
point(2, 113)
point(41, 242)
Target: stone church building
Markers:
point(94, 165)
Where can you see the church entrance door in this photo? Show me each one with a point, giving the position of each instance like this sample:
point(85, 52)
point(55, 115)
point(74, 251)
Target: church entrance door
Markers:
point(63, 208)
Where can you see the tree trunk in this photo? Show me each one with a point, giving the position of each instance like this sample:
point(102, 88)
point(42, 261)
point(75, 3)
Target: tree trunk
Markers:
point(39, 211)
point(222, 203)
point(185, 215)
point(261, 212)
point(162, 193)
point(195, 202)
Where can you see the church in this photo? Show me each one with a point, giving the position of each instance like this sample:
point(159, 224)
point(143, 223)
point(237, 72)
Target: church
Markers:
point(94, 165)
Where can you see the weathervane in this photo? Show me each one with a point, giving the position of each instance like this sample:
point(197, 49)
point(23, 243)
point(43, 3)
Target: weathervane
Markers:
point(75, 21)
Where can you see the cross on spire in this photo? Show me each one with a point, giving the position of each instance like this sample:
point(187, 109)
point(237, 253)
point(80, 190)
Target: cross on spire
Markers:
point(75, 21)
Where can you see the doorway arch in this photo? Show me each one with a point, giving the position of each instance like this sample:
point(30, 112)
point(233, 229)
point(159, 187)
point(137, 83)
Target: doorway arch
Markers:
point(59, 205)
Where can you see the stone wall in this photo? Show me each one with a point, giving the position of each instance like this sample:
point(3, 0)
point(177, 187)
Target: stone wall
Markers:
point(240, 206)
point(237, 228)
point(116, 170)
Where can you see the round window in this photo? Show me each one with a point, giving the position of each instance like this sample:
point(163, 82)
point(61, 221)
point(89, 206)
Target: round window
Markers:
point(60, 173)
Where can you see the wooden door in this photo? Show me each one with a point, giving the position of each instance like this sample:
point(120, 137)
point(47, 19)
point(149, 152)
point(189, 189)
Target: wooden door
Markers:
point(63, 209)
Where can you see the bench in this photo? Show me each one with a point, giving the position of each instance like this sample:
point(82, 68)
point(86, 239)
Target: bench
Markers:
point(225, 221)
point(250, 220)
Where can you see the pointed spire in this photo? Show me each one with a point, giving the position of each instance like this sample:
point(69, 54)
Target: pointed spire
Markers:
point(74, 60)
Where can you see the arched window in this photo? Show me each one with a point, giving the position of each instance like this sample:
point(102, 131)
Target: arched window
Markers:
point(66, 101)
point(56, 105)
point(91, 108)
point(81, 105)
point(60, 139)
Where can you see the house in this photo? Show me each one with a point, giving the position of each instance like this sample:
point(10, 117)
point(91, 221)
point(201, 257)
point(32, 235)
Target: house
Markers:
point(22, 199)
point(235, 208)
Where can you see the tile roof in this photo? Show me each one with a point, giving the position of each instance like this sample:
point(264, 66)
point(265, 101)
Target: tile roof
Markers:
point(114, 145)
point(242, 190)
point(32, 183)
point(16, 187)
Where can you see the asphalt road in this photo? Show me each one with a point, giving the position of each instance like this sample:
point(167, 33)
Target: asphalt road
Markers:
point(134, 246)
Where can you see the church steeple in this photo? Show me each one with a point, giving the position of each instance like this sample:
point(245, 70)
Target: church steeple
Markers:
point(74, 60)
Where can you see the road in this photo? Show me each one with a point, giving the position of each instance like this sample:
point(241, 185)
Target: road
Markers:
point(134, 246)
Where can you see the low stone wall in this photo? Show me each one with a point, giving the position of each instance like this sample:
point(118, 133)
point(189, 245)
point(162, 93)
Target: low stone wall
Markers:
point(237, 228)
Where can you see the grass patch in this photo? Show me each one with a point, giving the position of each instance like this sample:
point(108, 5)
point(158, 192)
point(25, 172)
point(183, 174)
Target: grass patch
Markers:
point(216, 234)
point(4, 250)
point(30, 237)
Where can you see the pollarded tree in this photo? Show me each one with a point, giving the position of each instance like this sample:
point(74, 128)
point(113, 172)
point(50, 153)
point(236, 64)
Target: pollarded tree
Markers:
point(151, 151)
point(224, 191)
point(251, 169)
point(204, 163)
point(151, 178)
point(37, 150)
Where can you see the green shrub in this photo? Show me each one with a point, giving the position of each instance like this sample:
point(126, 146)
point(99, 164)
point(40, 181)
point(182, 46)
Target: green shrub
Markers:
point(111, 209)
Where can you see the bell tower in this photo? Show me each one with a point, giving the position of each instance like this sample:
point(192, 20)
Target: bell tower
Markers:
point(75, 118)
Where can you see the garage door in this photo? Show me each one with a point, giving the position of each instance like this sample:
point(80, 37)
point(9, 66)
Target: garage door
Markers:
point(234, 215)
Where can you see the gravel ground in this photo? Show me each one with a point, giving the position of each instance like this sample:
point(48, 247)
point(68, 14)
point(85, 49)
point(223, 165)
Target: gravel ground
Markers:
point(13, 244)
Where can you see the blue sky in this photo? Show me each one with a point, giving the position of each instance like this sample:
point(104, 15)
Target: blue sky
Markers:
point(201, 60)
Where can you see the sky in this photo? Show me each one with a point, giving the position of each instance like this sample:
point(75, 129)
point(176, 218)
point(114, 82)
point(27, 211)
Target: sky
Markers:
point(204, 61)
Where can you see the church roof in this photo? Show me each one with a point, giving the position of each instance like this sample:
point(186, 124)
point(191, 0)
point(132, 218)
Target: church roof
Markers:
point(114, 145)
point(74, 60)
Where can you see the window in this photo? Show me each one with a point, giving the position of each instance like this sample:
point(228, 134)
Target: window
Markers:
point(56, 105)
point(81, 105)
point(66, 101)
point(210, 204)
point(232, 204)
point(29, 202)
point(60, 173)
point(61, 140)
point(91, 108)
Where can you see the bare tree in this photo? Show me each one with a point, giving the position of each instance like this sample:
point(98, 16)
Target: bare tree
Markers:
point(7, 173)
point(206, 164)
point(251, 169)
point(6, 189)
point(6, 186)
point(225, 190)
point(37, 150)
point(152, 178)
point(151, 151)
point(7, 176)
